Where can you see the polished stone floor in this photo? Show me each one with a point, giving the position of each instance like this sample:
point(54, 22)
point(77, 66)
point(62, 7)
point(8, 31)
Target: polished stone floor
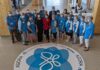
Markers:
point(9, 52)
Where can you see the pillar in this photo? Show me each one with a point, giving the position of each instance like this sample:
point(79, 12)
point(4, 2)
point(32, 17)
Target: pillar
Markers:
point(4, 8)
point(96, 16)
point(88, 4)
point(79, 2)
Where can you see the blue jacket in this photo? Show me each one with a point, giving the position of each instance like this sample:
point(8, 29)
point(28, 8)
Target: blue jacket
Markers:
point(53, 27)
point(89, 30)
point(75, 27)
point(42, 13)
point(61, 24)
point(24, 27)
point(82, 26)
point(68, 26)
point(11, 22)
point(32, 26)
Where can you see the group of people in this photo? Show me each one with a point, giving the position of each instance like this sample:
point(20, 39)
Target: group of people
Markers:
point(33, 26)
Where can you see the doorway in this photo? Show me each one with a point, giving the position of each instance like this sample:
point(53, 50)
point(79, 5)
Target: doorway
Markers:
point(59, 4)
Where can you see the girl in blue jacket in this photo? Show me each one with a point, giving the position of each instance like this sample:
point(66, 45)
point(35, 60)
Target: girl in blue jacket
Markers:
point(31, 30)
point(54, 28)
point(82, 26)
point(68, 28)
point(75, 29)
point(23, 28)
point(61, 26)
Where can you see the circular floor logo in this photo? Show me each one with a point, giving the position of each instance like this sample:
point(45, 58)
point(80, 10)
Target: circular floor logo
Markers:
point(49, 57)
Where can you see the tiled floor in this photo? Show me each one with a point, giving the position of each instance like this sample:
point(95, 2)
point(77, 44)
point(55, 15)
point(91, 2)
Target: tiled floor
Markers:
point(9, 52)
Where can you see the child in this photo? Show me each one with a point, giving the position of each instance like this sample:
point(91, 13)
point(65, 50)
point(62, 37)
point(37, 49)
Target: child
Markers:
point(54, 28)
point(89, 32)
point(82, 26)
point(61, 26)
point(68, 28)
point(75, 29)
point(24, 29)
point(31, 30)
point(12, 26)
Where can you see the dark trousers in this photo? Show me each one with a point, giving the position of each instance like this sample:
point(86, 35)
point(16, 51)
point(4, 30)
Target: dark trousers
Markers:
point(46, 32)
point(54, 35)
point(40, 35)
point(18, 35)
point(15, 34)
point(14, 4)
point(12, 33)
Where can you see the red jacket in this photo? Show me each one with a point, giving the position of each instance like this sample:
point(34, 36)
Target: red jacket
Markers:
point(46, 23)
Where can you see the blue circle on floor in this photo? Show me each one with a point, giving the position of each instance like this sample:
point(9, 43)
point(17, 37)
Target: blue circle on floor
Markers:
point(49, 57)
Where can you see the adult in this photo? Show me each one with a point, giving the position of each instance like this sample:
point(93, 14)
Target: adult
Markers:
point(52, 12)
point(46, 26)
point(14, 4)
point(42, 12)
point(39, 24)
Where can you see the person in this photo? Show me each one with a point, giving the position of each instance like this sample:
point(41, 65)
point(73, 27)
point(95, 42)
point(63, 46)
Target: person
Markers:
point(76, 8)
point(46, 26)
point(89, 33)
point(61, 26)
point(68, 29)
point(24, 29)
point(42, 12)
point(11, 26)
point(58, 17)
point(18, 3)
point(52, 12)
point(31, 30)
point(27, 15)
point(39, 24)
point(16, 18)
point(54, 28)
point(65, 11)
point(82, 26)
point(75, 29)
point(14, 4)
point(33, 15)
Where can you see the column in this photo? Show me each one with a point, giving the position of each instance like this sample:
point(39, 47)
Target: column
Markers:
point(96, 16)
point(88, 4)
point(79, 2)
point(4, 8)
